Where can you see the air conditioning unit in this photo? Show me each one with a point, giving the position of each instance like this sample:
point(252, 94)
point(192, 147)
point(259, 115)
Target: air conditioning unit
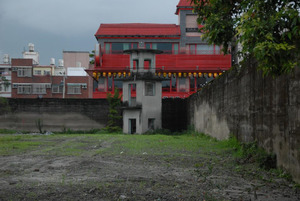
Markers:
point(15, 86)
point(84, 86)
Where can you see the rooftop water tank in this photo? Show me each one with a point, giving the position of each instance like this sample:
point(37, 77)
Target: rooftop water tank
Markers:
point(31, 47)
point(52, 61)
point(60, 63)
point(6, 59)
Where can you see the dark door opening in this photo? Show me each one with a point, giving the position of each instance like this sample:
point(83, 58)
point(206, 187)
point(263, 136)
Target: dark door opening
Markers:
point(132, 126)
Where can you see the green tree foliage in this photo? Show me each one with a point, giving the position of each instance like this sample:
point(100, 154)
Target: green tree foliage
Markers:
point(114, 117)
point(4, 106)
point(268, 30)
point(92, 57)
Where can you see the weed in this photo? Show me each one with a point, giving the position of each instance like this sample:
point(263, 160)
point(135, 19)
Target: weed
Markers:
point(39, 124)
point(63, 179)
point(250, 152)
point(70, 131)
point(281, 174)
point(297, 186)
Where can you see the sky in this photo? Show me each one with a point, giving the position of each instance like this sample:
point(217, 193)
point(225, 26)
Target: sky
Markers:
point(54, 26)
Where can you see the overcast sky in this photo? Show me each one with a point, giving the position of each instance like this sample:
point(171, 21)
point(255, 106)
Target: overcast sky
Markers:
point(57, 25)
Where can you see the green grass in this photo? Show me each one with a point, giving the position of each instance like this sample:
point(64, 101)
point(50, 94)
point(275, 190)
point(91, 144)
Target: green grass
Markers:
point(94, 144)
point(160, 144)
point(7, 131)
point(17, 144)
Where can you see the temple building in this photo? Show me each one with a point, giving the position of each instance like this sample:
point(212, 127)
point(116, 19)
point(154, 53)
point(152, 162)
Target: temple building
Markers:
point(186, 64)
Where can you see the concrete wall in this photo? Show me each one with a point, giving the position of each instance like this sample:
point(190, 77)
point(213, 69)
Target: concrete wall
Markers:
point(253, 108)
point(57, 114)
point(72, 57)
point(79, 114)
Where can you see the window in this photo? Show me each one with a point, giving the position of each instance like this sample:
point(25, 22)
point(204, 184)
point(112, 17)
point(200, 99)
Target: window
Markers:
point(74, 88)
point(217, 50)
point(118, 48)
point(24, 89)
point(147, 64)
point(166, 84)
point(192, 83)
point(174, 80)
point(110, 83)
point(101, 84)
point(24, 72)
point(57, 88)
point(165, 47)
point(182, 84)
point(132, 94)
point(151, 124)
point(107, 48)
point(46, 72)
point(135, 64)
point(149, 89)
point(175, 49)
point(4, 87)
point(204, 49)
point(118, 84)
point(37, 72)
point(38, 89)
point(192, 49)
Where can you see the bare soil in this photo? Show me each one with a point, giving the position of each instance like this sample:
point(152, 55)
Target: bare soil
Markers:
point(34, 175)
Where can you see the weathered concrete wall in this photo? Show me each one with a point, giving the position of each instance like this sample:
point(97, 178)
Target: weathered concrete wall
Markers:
point(56, 114)
point(253, 108)
point(79, 114)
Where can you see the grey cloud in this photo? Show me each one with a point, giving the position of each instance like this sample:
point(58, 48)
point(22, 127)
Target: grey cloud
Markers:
point(71, 24)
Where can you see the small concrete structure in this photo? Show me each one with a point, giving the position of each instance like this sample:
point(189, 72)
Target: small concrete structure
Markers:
point(142, 93)
point(31, 54)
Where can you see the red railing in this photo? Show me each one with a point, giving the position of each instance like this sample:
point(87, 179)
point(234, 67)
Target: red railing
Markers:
point(166, 62)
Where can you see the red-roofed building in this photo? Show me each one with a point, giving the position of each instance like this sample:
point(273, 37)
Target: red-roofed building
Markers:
point(186, 64)
point(184, 5)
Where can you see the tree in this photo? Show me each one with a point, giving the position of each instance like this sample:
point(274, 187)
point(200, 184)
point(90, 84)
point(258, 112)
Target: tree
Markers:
point(114, 101)
point(4, 106)
point(92, 57)
point(267, 30)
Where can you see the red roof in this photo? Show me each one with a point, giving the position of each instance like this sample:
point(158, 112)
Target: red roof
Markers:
point(138, 29)
point(184, 4)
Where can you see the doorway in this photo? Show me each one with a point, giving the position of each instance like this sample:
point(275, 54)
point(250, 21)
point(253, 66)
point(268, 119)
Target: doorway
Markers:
point(132, 126)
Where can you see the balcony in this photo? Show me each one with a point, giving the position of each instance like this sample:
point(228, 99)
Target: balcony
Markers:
point(170, 62)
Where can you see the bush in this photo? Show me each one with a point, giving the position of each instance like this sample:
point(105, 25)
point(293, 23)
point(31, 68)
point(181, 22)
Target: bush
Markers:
point(250, 152)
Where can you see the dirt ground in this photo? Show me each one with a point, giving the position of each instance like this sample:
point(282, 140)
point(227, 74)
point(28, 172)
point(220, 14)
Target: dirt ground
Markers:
point(34, 175)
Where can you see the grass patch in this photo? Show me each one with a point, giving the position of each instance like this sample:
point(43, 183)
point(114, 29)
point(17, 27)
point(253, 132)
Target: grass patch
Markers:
point(17, 144)
point(93, 144)
point(7, 131)
point(186, 144)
